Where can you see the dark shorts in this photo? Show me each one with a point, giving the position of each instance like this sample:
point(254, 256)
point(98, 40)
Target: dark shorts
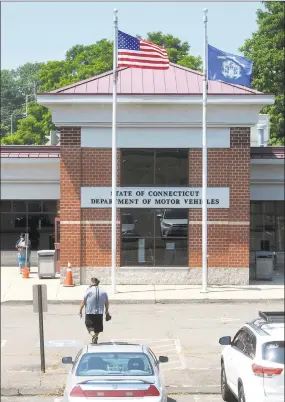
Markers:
point(94, 322)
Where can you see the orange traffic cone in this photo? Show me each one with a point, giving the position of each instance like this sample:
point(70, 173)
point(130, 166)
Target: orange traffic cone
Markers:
point(68, 279)
point(25, 272)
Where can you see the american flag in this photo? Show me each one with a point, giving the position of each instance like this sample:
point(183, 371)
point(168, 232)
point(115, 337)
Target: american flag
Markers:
point(139, 53)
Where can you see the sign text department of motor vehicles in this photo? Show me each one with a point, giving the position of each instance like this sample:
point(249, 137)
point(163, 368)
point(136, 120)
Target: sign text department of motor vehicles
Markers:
point(154, 197)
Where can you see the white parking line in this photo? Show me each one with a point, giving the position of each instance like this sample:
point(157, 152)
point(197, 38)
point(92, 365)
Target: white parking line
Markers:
point(180, 354)
point(3, 343)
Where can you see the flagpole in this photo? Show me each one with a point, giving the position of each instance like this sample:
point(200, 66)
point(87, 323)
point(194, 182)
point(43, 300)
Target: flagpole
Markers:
point(204, 162)
point(114, 152)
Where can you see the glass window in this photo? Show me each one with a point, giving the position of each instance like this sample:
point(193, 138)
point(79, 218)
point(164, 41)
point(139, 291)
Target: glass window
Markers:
point(110, 364)
point(154, 167)
point(250, 345)
point(280, 208)
point(274, 352)
point(34, 206)
point(171, 168)
point(50, 207)
point(137, 168)
point(268, 207)
point(12, 225)
point(239, 340)
point(19, 206)
point(255, 207)
point(280, 233)
point(6, 206)
point(153, 237)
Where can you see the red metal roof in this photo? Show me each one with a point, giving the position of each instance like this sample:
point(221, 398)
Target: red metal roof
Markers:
point(177, 80)
point(51, 151)
point(28, 151)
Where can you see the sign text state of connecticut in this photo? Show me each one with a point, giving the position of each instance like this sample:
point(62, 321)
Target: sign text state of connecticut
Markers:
point(154, 197)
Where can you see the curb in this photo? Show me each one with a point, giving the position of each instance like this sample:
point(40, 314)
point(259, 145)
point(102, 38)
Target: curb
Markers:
point(151, 301)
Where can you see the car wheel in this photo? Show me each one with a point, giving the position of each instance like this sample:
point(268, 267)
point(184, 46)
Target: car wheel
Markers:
point(225, 390)
point(241, 396)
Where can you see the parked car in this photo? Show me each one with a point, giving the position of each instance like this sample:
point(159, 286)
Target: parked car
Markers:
point(252, 364)
point(173, 222)
point(128, 227)
point(115, 371)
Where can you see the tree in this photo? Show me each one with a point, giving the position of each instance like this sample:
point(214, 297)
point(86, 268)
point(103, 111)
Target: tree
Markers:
point(33, 128)
point(15, 85)
point(266, 49)
point(81, 62)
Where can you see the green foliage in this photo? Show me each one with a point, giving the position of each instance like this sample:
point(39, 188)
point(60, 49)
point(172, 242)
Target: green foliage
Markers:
point(31, 129)
point(267, 50)
point(81, 62)
point(15, 85)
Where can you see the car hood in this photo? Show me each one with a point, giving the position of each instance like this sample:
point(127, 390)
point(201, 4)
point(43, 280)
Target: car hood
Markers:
point(175, 221)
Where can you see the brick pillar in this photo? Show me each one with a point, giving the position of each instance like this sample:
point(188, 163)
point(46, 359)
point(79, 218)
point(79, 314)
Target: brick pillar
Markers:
point(228, 243)
point(97, 246)
point(239, 213)
point(70, 213)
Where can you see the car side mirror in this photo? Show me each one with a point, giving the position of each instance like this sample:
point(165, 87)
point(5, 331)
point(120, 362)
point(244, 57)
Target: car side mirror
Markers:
point(163, 359)
point(225, 340)
point(67, 360)
point(159, 216)
point(136, 221)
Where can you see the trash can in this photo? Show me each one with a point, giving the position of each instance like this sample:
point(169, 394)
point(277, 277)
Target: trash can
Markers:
point(264, 265)
point(46, 264)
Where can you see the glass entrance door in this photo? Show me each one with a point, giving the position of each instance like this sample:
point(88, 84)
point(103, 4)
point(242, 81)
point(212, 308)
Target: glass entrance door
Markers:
point(154, 237)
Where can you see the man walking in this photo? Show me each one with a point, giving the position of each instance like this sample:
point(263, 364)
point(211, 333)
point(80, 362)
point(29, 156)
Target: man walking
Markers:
point(95, 302)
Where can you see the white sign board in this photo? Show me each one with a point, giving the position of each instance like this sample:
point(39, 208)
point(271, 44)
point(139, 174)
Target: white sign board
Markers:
point(154, 197)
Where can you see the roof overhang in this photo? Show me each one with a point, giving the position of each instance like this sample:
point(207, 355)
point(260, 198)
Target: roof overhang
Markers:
point(80, 99)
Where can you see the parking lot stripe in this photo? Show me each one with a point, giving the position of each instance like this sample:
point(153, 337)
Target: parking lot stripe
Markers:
point(180, 354)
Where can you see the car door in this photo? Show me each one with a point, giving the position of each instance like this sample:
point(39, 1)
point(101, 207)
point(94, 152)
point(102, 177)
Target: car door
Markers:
point(238, 362)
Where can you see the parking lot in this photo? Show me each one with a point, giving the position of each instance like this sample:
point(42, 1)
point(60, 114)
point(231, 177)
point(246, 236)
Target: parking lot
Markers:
point(187, 334)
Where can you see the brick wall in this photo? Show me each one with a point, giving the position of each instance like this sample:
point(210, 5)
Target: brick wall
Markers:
point(85, 242)
point(228, 244)
point(86, 239)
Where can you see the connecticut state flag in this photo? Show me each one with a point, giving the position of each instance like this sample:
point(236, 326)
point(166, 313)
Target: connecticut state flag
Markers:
point(227, 67)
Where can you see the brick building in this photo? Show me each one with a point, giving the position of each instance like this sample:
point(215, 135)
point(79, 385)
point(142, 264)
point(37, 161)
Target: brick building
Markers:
point(159, 216)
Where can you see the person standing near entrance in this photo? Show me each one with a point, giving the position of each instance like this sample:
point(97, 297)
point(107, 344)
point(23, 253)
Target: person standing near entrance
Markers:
point(95, 301)
point(21, 247)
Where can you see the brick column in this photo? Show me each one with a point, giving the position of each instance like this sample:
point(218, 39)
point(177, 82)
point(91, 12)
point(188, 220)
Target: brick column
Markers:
point(239, 213)
point(228, 242)
point(97, 228)
point(70, 208)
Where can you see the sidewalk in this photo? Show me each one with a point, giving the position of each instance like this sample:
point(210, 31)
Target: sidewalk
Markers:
point(16, 290)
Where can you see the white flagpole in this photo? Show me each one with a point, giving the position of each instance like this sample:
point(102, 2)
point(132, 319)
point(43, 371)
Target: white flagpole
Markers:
point(114, 152)
point(204, 161)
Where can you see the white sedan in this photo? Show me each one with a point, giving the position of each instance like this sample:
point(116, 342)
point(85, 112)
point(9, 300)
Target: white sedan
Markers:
point(115, 371)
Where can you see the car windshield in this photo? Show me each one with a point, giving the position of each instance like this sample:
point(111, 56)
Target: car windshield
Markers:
point(127, 219)
point(274, 352)
point(114, 364)
point(176, 214)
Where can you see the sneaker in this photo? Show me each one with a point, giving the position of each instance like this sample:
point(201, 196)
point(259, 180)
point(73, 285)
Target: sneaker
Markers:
point(95, 339)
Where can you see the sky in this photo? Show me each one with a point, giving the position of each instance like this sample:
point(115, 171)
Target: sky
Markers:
point(44, 31)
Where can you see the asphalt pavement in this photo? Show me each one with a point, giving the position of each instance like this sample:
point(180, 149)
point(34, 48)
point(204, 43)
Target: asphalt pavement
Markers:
point(187, 334)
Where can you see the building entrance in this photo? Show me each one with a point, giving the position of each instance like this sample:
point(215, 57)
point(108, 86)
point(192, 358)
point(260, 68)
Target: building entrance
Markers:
point(154, 237)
